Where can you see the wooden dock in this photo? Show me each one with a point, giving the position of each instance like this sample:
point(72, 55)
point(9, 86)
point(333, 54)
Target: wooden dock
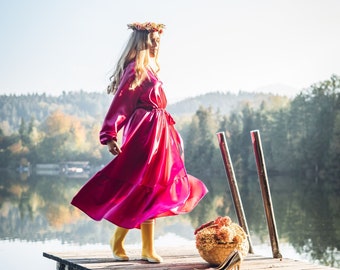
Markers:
point(174, 258)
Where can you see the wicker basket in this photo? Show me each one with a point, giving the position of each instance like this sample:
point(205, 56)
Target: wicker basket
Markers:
point(220, 252)
point(217, 239)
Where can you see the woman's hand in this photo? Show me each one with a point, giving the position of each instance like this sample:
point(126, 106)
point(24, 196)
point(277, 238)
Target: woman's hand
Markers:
point(114, 149)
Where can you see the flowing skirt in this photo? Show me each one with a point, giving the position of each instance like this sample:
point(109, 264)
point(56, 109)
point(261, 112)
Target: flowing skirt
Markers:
point(147, 180)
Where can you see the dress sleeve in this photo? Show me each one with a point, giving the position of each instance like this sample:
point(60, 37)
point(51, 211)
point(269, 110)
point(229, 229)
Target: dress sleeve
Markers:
point(123, 104)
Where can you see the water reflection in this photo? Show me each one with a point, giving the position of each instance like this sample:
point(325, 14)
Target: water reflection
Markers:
point(36, 208)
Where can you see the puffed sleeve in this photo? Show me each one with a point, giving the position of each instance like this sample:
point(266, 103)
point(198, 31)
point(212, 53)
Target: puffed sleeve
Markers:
point(123, 104)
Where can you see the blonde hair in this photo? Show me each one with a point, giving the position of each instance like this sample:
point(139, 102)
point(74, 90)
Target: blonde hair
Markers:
point(137, 49)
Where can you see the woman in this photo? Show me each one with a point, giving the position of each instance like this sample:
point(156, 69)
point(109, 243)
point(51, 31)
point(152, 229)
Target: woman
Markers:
point(147, 178)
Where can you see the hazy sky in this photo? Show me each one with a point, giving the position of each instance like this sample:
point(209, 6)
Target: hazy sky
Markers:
point(218, 45)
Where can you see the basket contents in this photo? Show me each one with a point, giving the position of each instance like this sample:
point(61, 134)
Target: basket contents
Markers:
point(215, 240)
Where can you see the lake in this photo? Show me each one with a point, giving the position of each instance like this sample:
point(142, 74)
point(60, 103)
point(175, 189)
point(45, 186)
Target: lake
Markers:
point(36, 216)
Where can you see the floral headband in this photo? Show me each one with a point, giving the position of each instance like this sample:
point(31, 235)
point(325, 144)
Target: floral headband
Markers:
point(147, 26)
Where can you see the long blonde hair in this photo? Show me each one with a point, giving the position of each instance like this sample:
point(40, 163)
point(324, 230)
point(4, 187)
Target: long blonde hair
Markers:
point(137, 49)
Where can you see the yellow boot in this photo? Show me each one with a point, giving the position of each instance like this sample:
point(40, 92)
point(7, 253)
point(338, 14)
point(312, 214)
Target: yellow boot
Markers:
point(148, 252)
point(117, 244)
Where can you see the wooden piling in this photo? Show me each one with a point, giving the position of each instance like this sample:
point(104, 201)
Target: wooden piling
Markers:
point(233, 185)
point(264, 184)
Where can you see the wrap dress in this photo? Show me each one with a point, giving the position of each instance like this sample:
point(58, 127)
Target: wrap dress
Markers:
point(148, 178)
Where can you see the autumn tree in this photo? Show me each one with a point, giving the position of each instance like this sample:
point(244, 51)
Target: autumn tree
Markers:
point(64, 138)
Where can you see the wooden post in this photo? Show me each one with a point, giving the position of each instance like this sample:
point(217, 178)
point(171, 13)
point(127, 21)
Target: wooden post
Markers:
point(233, 185)
point(267, 201)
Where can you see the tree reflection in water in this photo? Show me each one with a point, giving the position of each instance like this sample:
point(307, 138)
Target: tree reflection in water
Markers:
point(37, 208)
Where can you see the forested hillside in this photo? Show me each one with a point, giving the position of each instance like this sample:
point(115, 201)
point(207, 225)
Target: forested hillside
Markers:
point(86, 106)
point(91, 107)
point(300, 136)
point(226, 103)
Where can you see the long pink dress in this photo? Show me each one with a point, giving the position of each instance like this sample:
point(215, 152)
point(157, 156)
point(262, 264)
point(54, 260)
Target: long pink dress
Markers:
point(148, 179)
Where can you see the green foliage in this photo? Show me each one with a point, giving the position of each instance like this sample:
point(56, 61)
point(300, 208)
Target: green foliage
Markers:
point(298, 136)
point(301, 137)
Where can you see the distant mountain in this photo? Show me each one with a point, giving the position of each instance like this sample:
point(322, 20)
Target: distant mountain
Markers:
point(278, 89)
point(225, 102)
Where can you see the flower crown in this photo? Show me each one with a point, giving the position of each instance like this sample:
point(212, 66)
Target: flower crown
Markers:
point(147, 26)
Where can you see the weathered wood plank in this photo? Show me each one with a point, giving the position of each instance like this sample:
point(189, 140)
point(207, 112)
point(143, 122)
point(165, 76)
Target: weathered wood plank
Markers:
point(179, 259)
point(258, 262)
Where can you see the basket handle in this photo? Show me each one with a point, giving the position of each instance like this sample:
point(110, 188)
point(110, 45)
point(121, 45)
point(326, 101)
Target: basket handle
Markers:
point(205, 225)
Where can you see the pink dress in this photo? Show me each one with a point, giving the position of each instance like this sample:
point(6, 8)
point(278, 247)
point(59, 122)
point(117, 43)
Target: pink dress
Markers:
point(148, 179)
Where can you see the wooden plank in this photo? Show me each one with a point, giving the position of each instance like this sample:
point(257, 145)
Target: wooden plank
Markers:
point(258, 262)
point(179, 259)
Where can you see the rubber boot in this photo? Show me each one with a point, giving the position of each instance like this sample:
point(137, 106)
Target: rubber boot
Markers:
point(117, 244)
point(148, 252)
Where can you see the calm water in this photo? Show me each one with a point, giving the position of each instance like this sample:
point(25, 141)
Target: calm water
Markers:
point(35, 216)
